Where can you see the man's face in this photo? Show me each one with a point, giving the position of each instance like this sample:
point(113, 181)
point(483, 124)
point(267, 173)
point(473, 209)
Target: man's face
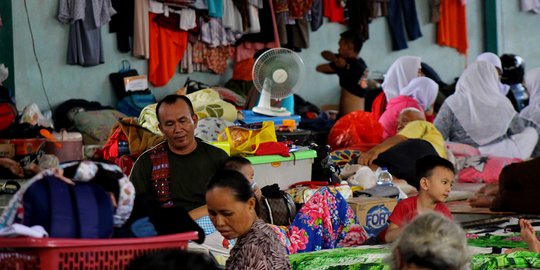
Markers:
point(343, 46)
point(178, 126)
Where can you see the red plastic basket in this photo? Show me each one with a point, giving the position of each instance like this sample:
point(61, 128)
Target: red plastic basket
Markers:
point(59, 254)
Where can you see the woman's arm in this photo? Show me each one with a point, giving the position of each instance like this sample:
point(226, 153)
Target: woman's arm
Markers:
point(13, 166)
point(443, 121)
point(368, 157)
point(517, 125)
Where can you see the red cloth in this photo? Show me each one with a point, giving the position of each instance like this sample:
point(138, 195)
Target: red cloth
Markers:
point(273, 148)
point(379, 105)
point(333, 11)
point(406, 210)
point(166, 50)
point(452, 26)
point(242, 70)
point(430, 118)
point(390, 116)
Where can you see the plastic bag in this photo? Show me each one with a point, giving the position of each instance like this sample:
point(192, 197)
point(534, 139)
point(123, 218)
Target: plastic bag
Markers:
point(353, 129)
point(247, 141)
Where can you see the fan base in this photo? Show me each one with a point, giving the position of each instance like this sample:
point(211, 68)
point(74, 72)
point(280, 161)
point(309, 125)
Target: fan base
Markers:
point(272, 111)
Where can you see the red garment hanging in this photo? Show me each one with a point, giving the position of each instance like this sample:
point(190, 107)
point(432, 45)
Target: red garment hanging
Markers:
point(334, 11)
point(452, 26)
point(166, 50)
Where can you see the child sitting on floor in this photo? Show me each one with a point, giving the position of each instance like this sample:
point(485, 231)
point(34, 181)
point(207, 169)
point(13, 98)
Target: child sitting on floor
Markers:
point(434, 178)
point(243, 165)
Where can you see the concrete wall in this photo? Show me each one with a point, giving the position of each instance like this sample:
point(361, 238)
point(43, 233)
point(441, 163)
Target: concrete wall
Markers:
point(519, 32)
point(61, 81)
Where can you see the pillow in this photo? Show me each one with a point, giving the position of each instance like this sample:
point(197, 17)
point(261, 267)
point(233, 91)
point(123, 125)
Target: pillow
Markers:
point(96, 126)
point(481, 169)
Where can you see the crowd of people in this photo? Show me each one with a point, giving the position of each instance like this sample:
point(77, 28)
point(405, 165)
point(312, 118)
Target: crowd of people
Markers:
point(184, 178)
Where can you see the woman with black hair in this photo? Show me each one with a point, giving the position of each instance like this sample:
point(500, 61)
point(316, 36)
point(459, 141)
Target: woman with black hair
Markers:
point(232, 209)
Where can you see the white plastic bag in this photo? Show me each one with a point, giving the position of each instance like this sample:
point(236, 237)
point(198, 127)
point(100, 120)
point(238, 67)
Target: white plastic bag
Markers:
point(364, 177)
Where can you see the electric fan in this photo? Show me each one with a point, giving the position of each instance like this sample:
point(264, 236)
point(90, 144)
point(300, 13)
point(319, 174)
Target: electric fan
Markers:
point(277, 74)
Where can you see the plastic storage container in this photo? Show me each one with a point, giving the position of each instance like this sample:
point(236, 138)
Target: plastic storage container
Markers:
point(25, 147)
point(72, 146)
point(59, 254)
point(284, 171)
point(250, 118)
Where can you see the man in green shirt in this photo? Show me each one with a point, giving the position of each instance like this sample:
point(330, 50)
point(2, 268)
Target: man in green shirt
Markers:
point(176, 172)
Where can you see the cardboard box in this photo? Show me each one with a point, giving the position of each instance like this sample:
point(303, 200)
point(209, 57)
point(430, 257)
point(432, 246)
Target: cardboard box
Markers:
point(7, 150)
point(373, 212)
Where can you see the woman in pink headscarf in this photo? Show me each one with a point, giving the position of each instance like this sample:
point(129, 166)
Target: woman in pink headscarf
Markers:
point(420, 93)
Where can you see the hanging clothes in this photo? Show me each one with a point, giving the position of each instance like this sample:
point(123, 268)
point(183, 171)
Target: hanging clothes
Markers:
point(86, 18)
point(299, 8)
point(242, 6)
point(141, 44)
point(452, 26)
point(215, 8)
point(334, 11)
point(232, 17)
point(406, 9)
point(316, 15)
point(360, 16)
point(297, 34)
point(166, 50)
point(266, 22)
point(122, 24)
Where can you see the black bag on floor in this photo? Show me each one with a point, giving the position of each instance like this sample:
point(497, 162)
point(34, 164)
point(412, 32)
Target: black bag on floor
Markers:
point(276, 206)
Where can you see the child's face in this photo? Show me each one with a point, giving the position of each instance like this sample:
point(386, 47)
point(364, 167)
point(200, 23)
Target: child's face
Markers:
point(439, 184)
point(248, 172)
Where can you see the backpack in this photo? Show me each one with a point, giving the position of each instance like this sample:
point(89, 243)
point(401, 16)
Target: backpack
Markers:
point(133, 104)
point(83, 210)
point(276, 206)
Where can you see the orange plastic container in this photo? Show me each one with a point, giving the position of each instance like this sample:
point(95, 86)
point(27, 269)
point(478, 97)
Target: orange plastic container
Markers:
point(59, 254)
point(25, 147)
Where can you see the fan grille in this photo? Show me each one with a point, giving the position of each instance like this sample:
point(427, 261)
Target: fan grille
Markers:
point(283, 67)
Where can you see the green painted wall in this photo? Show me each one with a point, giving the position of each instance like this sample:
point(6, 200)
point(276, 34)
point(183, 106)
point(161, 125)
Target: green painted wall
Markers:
point(62, 82)
point(6, 42)
point(490, 26)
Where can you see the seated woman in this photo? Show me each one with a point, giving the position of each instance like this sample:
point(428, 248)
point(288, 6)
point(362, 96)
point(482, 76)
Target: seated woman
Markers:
point(496, 62)
point(431, 241)
point(400, 73)
point(325, 221)
point(231, 206)
point(420, 93)
point(531, 113)
point(478, 115)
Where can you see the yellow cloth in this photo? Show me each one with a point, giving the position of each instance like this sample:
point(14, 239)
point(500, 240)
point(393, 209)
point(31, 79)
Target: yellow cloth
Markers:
point(208, 103)
point(139, 138)
point(425, 130)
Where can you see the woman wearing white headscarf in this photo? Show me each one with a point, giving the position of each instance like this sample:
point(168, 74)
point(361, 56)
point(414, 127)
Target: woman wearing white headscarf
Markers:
point(420, 93)
point(496, 61)
point(400, 73)
point(531, 113)
point(477, 114)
